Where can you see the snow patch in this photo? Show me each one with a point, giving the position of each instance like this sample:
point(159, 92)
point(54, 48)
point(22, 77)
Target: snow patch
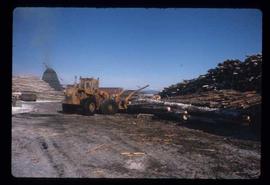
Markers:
point(24, 108)
point(45, 101)
point(135, 165)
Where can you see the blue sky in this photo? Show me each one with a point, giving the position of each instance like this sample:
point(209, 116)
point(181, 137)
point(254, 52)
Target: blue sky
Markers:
point(127, 47)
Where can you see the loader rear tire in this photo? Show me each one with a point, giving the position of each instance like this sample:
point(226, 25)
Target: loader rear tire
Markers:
point(89, 106)
point(108, 107)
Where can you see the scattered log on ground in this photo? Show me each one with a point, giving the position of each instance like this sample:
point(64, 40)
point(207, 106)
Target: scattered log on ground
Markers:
point(158, 109)
point(219, 99)
point(28, 96)
point(248, 116)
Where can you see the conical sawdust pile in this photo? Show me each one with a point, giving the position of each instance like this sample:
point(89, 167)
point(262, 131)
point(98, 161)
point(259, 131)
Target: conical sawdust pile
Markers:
point(51, 78)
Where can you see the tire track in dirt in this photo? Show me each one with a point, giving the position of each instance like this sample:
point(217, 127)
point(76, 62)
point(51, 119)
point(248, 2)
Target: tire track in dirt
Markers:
point(68, 160)
point(62, 162)
point(59, 168)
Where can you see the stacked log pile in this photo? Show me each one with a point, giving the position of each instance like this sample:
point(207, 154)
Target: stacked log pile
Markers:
point(231, 74)
point(231, 92)
point(219, 99)
point(247, 105)
point(33, 84)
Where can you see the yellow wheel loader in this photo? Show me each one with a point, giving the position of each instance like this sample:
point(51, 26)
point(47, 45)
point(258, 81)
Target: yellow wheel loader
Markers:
point(87, 98)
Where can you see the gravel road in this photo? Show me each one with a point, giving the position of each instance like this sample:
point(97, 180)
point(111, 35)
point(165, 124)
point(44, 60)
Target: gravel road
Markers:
point(48, 143)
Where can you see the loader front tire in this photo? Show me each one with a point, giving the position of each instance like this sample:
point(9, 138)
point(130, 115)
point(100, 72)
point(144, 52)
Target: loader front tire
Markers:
point(108, 107)
point(89, 106)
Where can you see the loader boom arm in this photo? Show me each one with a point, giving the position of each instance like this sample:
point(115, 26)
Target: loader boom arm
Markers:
point(131, 94)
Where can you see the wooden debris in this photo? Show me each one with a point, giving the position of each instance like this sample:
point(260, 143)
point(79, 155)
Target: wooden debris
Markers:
point(142, 115)
point(131, 154)
point(95, 148)
point(206, 149)
point(125, 153)
point(138, 153)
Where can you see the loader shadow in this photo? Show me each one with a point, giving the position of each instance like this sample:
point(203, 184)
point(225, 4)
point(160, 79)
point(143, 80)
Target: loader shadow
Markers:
point(225, 129)
point(62, 112)
point(73, 113)
point(79, 112)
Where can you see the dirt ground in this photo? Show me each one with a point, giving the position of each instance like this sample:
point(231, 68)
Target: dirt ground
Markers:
point(49, 143)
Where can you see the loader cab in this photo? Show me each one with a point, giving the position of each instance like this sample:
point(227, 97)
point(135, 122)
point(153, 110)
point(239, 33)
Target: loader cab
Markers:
point(89, 83)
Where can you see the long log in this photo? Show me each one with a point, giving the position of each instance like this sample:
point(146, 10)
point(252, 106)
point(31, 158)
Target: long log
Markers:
point(158, 110)
point(172, 108)
point(177, 106)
